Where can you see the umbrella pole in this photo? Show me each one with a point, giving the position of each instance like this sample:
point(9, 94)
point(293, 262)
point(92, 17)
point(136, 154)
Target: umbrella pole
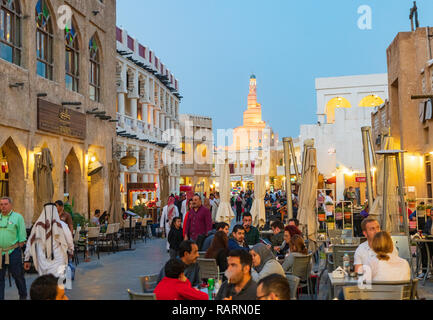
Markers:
point(288, 177)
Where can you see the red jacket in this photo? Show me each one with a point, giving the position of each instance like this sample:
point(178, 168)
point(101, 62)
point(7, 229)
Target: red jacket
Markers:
point(174, 289)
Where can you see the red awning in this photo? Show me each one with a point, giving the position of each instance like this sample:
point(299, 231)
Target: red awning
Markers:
point(185, 188)
point(332, 180)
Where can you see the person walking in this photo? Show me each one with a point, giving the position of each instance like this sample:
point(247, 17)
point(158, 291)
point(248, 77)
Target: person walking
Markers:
point(175, 237)
point(199, 221)
point(168, 213)
point(12, 239)
point(238, 208)
point(64, 216)
point(50, 244)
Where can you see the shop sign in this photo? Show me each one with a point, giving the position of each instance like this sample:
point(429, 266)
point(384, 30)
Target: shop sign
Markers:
point(60, 120)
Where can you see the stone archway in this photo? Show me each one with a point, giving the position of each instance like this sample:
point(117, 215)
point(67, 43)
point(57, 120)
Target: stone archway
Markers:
point(338, 102)
point(72, 180)
point(15, 175)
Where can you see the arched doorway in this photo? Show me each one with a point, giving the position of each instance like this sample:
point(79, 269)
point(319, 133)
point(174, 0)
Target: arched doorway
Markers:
point(371, 101)
point(72, 180)
point(338, 102)
point(12, 175)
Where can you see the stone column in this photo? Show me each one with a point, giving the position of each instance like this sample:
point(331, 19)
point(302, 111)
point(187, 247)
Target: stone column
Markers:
point(134, 180)
point(134, 108)
point(121, 106)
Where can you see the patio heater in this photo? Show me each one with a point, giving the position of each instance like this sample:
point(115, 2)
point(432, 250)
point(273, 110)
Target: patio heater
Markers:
point(388, 155)
point(367, 145)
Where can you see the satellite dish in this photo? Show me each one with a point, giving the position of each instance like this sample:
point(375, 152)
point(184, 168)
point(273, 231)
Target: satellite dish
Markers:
point(94, 168)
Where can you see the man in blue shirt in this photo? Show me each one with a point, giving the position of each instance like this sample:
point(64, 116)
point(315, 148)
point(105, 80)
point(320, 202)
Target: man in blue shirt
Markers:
point(238, 240)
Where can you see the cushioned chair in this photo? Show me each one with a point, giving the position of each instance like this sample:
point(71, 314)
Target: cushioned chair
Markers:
point(141, 296)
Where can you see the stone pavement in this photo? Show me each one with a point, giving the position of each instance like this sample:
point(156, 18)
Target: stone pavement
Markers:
point(109, 277)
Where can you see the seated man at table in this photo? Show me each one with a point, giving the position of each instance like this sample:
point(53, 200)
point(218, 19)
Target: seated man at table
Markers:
point(278, 235)
point(188, 253)
point(365, 254)
point(273, 287)
point(252, 235)
point(220, 226)
point(175, 285)
point(238, 240)
point(240, 285)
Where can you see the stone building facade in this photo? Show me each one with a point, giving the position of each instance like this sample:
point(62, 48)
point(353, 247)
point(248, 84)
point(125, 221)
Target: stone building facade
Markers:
point(409, 121)
point(148, 103)
point(197, 148)
point(51, 75)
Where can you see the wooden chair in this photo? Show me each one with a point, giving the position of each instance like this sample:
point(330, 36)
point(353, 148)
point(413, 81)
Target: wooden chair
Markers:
point(377, 292)
point(107, 239)
point(141, 296)
point(208, 269)
point(93, 239)
point(148, 282)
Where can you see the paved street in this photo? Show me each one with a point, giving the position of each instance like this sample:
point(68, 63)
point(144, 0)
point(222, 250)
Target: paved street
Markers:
point(109, 277)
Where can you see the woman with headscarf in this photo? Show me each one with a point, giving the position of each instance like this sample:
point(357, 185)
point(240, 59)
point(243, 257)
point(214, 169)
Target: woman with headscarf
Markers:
point(264, 263)
point(168, 213)
point(49, 243)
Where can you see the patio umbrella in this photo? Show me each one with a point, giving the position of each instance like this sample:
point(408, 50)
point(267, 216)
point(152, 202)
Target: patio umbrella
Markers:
point(258, 211)
point(42, 176)
point(392, 198)
point(114, 209)
point(307, 198)
point(164, 185)
point(225, 211)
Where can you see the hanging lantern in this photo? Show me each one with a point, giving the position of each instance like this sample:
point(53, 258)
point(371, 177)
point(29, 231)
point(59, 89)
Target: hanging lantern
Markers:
point(94, 168)
point(128, 161)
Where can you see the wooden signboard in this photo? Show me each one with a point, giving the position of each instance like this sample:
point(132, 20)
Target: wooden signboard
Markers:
point(60, 120)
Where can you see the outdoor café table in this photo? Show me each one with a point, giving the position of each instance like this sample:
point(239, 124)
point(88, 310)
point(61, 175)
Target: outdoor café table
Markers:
point(418, 243)
point(339, 282)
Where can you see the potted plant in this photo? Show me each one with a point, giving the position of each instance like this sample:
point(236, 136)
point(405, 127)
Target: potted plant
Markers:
point(420, 210)
point(428, 210)
point(338, 213)
point(330, 221)
point(321, 214)
point(411, 203)
point(329, 207)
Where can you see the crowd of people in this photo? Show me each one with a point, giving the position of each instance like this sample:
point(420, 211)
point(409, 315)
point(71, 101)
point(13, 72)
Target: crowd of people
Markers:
point(252, 267)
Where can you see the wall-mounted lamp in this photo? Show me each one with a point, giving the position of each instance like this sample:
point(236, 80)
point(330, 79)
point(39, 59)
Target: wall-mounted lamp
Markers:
point(95, 12)
point(77, 104)
point(41, 95)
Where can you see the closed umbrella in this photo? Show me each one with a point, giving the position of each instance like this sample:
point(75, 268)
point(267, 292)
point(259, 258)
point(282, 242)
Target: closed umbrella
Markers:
point(42, 176)
point(392, 198)
point(258, 211)
point(307, 198)
point(164, 185)
point(114, 209)
point(225, 211)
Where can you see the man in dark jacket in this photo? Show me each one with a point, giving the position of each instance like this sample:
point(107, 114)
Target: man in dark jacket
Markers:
point(220, 226)
point(188, 253)
point(238, 240)
point(252, 235)
point(241, 285)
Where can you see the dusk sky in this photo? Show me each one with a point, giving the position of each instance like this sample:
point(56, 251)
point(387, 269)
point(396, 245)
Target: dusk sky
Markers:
point(212, 47)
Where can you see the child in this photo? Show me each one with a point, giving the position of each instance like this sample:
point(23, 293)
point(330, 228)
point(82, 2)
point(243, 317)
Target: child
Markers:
point(175, 237)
